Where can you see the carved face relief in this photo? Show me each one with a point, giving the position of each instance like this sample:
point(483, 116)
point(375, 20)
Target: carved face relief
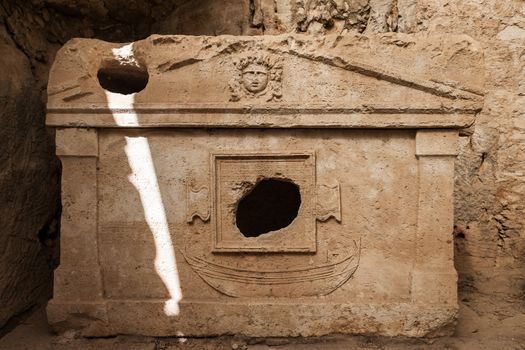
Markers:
point(255, 78)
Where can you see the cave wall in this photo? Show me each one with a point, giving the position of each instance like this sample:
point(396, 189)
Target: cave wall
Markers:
point(490, 171)
point(29, 178)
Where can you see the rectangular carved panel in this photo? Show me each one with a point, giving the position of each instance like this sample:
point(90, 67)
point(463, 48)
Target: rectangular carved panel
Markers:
point(235, 176)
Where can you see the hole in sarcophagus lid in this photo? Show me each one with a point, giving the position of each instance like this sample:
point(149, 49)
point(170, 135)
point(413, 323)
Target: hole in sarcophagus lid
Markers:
point(122, 77)
point(271, 205)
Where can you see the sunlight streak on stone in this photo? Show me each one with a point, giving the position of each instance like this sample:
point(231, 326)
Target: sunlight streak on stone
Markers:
point(144, 178)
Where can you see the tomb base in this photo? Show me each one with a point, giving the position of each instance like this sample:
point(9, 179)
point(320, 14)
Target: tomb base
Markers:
point(256, 318)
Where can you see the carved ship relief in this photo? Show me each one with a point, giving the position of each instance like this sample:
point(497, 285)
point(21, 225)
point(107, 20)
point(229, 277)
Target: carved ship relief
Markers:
point(300, 281)
point(293, 262)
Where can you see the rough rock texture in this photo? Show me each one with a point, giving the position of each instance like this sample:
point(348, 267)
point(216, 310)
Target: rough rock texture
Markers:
point(371, 16)
point(29, 176)
point(490, 182)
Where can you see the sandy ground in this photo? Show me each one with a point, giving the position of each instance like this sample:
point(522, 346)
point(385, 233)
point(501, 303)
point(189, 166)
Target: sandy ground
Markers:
point(485, 323)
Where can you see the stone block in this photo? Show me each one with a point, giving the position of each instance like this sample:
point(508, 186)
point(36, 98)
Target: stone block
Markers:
point(270, 187)
point(76, 142)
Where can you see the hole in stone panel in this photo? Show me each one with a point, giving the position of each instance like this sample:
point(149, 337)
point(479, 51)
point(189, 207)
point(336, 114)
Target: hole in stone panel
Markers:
point(122, 78)
point(271, 205)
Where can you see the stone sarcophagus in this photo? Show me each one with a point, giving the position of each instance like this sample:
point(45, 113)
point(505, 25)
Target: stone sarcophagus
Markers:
point(265, 186)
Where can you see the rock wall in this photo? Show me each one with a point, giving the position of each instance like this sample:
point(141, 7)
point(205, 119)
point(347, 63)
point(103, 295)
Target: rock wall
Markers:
point(490, 172)
point(29, 189)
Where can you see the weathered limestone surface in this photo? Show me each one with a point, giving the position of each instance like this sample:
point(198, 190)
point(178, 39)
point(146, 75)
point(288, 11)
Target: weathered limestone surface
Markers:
point(154, 180)
point(489, 182)
point(490, 190)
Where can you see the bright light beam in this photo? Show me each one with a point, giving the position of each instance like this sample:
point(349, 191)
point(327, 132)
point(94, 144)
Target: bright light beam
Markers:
point(144, 178)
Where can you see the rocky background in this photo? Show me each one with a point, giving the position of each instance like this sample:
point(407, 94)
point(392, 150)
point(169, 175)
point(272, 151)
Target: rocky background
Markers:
point(490, 172)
